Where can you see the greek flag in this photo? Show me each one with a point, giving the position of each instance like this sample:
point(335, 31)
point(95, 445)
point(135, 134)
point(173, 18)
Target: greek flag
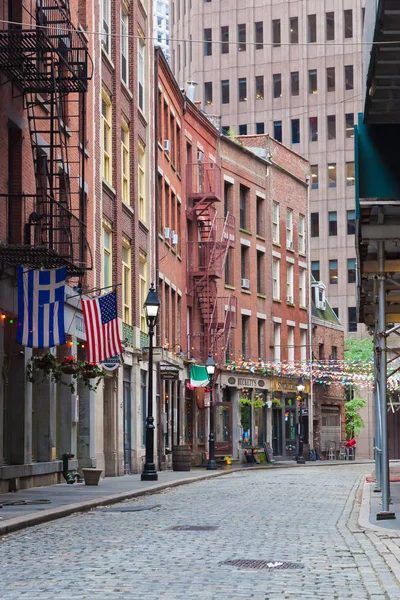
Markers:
point(41, 308)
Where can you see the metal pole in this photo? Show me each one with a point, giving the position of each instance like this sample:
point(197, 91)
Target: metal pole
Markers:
point(211, 465)
point(377, 441)
point(300, 457)
point(178, 416)
point(149, 470)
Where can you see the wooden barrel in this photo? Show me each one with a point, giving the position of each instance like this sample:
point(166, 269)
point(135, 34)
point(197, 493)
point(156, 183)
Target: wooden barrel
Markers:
point(181, 458)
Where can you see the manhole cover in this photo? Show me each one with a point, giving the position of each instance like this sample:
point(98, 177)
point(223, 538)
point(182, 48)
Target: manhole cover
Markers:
point(259, 565)
point(194, 528)
point(128, 508)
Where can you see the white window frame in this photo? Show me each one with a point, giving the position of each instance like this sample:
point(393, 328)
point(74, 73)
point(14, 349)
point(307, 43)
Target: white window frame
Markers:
point(277, 342)
point(302, 288)
point(106, 26)
point(125, 43)
point(141, 72)
point(302, 237)
point(289, 282)
point(142, 291)
point(106, 137)
point(275, 223)
point(142, 183)
point(126, 283)
point(289, 228)
point(125, 162)
point(276, 284)
point(303, 344)
point(291, 347)
point(107, 255)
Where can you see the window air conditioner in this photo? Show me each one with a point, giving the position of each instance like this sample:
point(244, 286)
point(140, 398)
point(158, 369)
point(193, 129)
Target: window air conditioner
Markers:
point(175, 238)
point(167, 146)
point(289, 245)
point(246, 284)
point(321, 304)
point(167, 233)
point(290, 299)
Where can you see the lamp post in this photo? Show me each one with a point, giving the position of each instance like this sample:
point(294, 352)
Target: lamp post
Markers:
point(151, 306)
point(300, 390)
point(211, 465)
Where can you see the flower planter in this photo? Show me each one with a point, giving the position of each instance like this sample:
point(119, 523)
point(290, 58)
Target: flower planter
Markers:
point(89, 374)
point(92, 476)
point(41, 364)
point(70, 369)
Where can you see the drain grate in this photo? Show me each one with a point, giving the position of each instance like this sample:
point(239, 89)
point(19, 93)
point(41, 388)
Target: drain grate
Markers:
point(128, 508)
point(259, 565)
point(194, 528)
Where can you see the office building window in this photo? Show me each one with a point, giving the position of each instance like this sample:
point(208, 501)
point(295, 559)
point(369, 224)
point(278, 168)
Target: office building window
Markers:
point(314, 177)
point(260, 209)
point(277, 85)
point(295, 131)
point(294, 30)
point(242, 129)
point(352, 319)
point(348, 77)
point(260, 128)
point(276, 292)
point(242, 37)
point(350, 175)
point(207, 42)
point(141, 73)
point(244, 191)
point(225, 91)
point(312, 81)
point(332, 222)
point(330, 79)
point(289, 228)
point(301, 234)
point(289, 283)
point(225, 129)
point(331, 123)
point(126, 283)
point(315, 270)
point(336, 311)
point(277, 342)
point(314, 224)
point(302, 288)
point(276, 32)
point(107, 255)
point(332, 175)
point(242, 89)
point(275, 223)
point(124, 45)
point(259, 35)
point(313, 129)
point(294, 83)
point(125, 161)
point(351, 222)
point(259, 87)
point(278, 130)
point(312, 29)
point(348, 23)
point(225, 40)
point(349, 125)
point(208, 93)
point(333, 271)
point(330, 26)
point(351, 270)
point(106, 137)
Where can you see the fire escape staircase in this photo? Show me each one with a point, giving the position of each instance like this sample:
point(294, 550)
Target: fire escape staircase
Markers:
point(47, 59)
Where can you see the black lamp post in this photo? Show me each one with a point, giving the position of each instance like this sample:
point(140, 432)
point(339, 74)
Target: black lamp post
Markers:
point(300, 390)
point(211, 465)
point(151, 307)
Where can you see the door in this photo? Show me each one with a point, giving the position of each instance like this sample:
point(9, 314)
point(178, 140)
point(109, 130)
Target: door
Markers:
point(127, 427)
point(223, 428)
point(277, 431)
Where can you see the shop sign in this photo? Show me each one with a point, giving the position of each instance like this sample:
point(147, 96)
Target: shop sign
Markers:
point(287, 385)
point(111, 363)
point(247, 382)
point(169, 373)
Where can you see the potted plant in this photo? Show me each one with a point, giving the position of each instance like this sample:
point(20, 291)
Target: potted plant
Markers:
point(70, 366)
point(49, 367)
point(88, 371)
point(91, 475)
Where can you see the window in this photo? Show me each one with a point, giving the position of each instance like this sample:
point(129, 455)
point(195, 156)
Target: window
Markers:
point(351, 270)
point(312, 81)
point(312, 29)
point(208, 93)
point(302, 288)
point(229, 263)
point(260, 272)
point(242, 37)
point(207, 42)
point(291, 346)
point(289, 228)
point(141, 73)
point(331, 127)
point(225, 91)
point(260, 225)
point(277, 342)
point(333, 271)
point(330, 26)
point(243, 89)
point(225, 129)
point(313, 129)
point(348, 77)
point(125, 167)
point(330, 79)
point(107, 256)
point(349, 125)
point(303, 345)
point(276, 32)
point(106, 118)
point(333, 353)
point(332, 175)
point(350, 175)
point(106, 38)
point(245, 336)
point(243, 206)
point(348, 24)
point(225, 40)
point(276, 278)
point(124, 45)
point(289, 283)
point(351, 222)
point(259, 35)
point(314, 177)
point(275, 223)
point(261, 338)
point(336, 311)
point(315, 272)
point(244, 254)
point(126, 283)
point(260, 128)
point(142, 182)
point(278, 130)
point(294, 83)
point(294, 30)
point(143, 291)
point(259, 87)
point(242, 129)
point(301, 233)
point(295, 131)
point(352, 318)
point(314, 224)
point(228, 187)
point(332, 222)
point(277, 85)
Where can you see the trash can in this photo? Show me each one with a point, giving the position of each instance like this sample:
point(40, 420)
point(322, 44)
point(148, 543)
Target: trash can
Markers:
point(181, 458)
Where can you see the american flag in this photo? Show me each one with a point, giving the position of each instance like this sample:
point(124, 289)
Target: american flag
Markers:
point(101, 324)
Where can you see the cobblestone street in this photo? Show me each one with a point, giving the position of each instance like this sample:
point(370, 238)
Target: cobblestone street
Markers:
point(305, 516)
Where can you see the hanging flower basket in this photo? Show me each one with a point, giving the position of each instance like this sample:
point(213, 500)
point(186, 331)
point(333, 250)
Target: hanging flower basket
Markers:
point(44, 362)
point(89, 373)
point(69, 366)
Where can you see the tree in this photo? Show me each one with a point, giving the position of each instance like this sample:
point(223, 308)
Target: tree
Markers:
point(354, 422)
point(356, 350)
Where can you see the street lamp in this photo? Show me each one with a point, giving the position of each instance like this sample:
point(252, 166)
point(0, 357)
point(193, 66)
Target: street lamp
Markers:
point(300, 390)
point(151, 307)
point(211, 465)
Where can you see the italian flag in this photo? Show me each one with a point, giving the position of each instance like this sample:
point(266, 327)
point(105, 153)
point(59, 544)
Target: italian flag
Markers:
point(198, 376)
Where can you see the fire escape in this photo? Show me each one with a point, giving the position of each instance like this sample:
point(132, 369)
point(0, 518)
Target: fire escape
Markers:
point(47, 61)
point(206, 263)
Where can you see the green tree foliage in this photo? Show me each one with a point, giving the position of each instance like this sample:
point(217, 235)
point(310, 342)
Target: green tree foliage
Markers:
point(358, 350)
point(357, 354)
point(354, 422)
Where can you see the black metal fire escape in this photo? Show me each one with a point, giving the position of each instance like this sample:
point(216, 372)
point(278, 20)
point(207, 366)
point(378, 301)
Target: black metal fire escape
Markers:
point(46, 58)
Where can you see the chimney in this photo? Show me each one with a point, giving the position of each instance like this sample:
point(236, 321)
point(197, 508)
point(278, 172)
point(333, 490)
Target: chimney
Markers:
point(191, 91)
